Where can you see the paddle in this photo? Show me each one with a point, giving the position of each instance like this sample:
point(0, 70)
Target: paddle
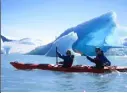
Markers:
point(56, 56)
point(56, 52)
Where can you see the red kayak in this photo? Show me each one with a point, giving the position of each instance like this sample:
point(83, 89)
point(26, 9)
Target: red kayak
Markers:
point(77, 68)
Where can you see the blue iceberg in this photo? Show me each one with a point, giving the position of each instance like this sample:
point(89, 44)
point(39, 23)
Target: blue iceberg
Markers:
point(90, 34)
point(93, 33)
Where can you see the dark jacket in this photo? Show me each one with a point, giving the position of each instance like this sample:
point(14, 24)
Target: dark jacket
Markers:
point(68, 60)
point(100, 61)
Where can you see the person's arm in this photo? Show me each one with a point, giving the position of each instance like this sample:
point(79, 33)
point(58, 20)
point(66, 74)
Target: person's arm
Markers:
point(83, 55)
point(91, 59)
point(59, 55)
point(107, 62)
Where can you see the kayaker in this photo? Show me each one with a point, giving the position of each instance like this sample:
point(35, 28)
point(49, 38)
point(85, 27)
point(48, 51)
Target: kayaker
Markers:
point(100, 60)
point(68, 59)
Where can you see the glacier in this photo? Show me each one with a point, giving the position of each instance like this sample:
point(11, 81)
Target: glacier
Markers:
point(17, 48)
point(101, 31)
point(22, 46)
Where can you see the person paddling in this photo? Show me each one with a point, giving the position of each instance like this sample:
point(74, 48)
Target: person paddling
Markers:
point(67, 59)
point(100, 60)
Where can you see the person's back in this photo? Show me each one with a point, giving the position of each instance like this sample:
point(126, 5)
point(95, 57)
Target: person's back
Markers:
point(68, 59)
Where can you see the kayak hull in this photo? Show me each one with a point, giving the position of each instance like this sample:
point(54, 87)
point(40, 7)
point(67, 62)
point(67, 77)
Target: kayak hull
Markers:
point(78, 68)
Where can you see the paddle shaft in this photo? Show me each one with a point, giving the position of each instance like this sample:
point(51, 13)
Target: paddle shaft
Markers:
point(56, 56)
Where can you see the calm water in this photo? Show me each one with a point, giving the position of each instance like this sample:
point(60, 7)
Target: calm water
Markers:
point(50, 81)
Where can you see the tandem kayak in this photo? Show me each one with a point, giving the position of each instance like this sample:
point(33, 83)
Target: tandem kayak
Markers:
point(77, 68)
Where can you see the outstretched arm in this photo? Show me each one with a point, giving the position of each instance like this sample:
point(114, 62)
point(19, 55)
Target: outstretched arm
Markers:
point(91, 59)
point(60, 55)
